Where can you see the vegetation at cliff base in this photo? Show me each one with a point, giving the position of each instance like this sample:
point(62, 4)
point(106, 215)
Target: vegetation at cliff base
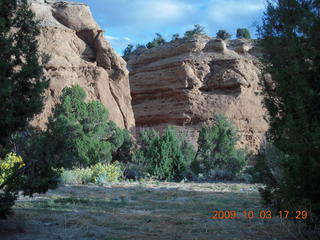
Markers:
point(217, 148)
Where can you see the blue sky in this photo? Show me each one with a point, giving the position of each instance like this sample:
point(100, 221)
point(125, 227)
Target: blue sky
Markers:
point(137, 21)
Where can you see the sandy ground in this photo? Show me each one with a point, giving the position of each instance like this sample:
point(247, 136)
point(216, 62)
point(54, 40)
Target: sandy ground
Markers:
point(153, 210)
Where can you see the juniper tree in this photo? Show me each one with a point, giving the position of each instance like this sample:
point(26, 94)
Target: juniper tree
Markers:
point(21, 97)
point(243, 33)
point(223, 34)
point(21, 77)
point(291, 42)
point(197, 30)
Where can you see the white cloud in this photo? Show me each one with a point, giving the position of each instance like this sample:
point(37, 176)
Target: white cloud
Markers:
point(128, 39)
point(110, 38)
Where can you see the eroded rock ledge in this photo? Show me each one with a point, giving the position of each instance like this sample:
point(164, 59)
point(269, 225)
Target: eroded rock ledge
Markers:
point(185, 82)
point(79, 54)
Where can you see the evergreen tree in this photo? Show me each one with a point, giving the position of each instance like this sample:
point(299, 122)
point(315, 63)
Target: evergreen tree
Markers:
point(223, 34)
point(157, 41)
point(165, 156)
point(21, 97)
point(80, 134)
point(243, 33)
point(127, 51)
point(291, 43)
point(21, 77)
point(197, 30)
point(217, 147)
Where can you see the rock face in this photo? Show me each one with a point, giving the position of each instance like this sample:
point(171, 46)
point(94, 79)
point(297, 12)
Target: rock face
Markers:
point(79, 54)
point(185, 82)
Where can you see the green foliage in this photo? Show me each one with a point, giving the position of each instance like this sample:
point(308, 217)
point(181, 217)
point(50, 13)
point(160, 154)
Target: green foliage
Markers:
point(21, 77)
point(198, 30)
point(98, 174)
point(217, 147)
point(140, 46)
point(290, 39)
point(157, 41)
point(80, 133)
point(223, 34)
point(166, 156)
point(127, 51)
point(22, 86)
point(243, 33)
point(175, 36)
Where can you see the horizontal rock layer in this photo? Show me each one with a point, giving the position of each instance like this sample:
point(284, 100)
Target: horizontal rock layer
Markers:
point(185, 82)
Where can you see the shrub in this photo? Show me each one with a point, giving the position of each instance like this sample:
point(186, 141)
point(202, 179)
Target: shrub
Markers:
point(198, 30)
point(243, 33)
point(165, 157)
point(8, 166)
point(99, 174)
point(217, 147)
point(223, 34)
point(77, 176)
point(112, 172)
point(157, 41)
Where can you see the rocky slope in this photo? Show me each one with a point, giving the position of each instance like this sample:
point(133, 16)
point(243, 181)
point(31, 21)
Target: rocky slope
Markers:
point(79, 54)
point(185, 82)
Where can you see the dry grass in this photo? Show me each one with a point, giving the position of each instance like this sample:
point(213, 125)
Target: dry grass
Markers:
point(144, 211)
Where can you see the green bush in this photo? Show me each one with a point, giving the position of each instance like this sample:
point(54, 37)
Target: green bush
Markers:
point(217, 147)
point(157, 41)
point(243, 33)
point(80, 134)
point(165, 156)
point(223, 34)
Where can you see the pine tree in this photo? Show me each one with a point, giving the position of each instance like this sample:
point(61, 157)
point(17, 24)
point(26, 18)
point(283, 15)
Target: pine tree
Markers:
point(291, 42)
point(21, 77)
point(243, 33)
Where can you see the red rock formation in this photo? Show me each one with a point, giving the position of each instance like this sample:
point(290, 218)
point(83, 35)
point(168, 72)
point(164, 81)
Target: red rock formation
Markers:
point(185, 82)
point(79, 54)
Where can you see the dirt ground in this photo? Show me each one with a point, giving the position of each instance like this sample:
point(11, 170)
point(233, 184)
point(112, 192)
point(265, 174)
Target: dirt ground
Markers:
point(153, 210)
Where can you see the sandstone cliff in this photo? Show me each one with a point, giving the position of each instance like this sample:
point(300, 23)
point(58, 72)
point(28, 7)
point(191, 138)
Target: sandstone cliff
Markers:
point(79, 54)
point(185, 82)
